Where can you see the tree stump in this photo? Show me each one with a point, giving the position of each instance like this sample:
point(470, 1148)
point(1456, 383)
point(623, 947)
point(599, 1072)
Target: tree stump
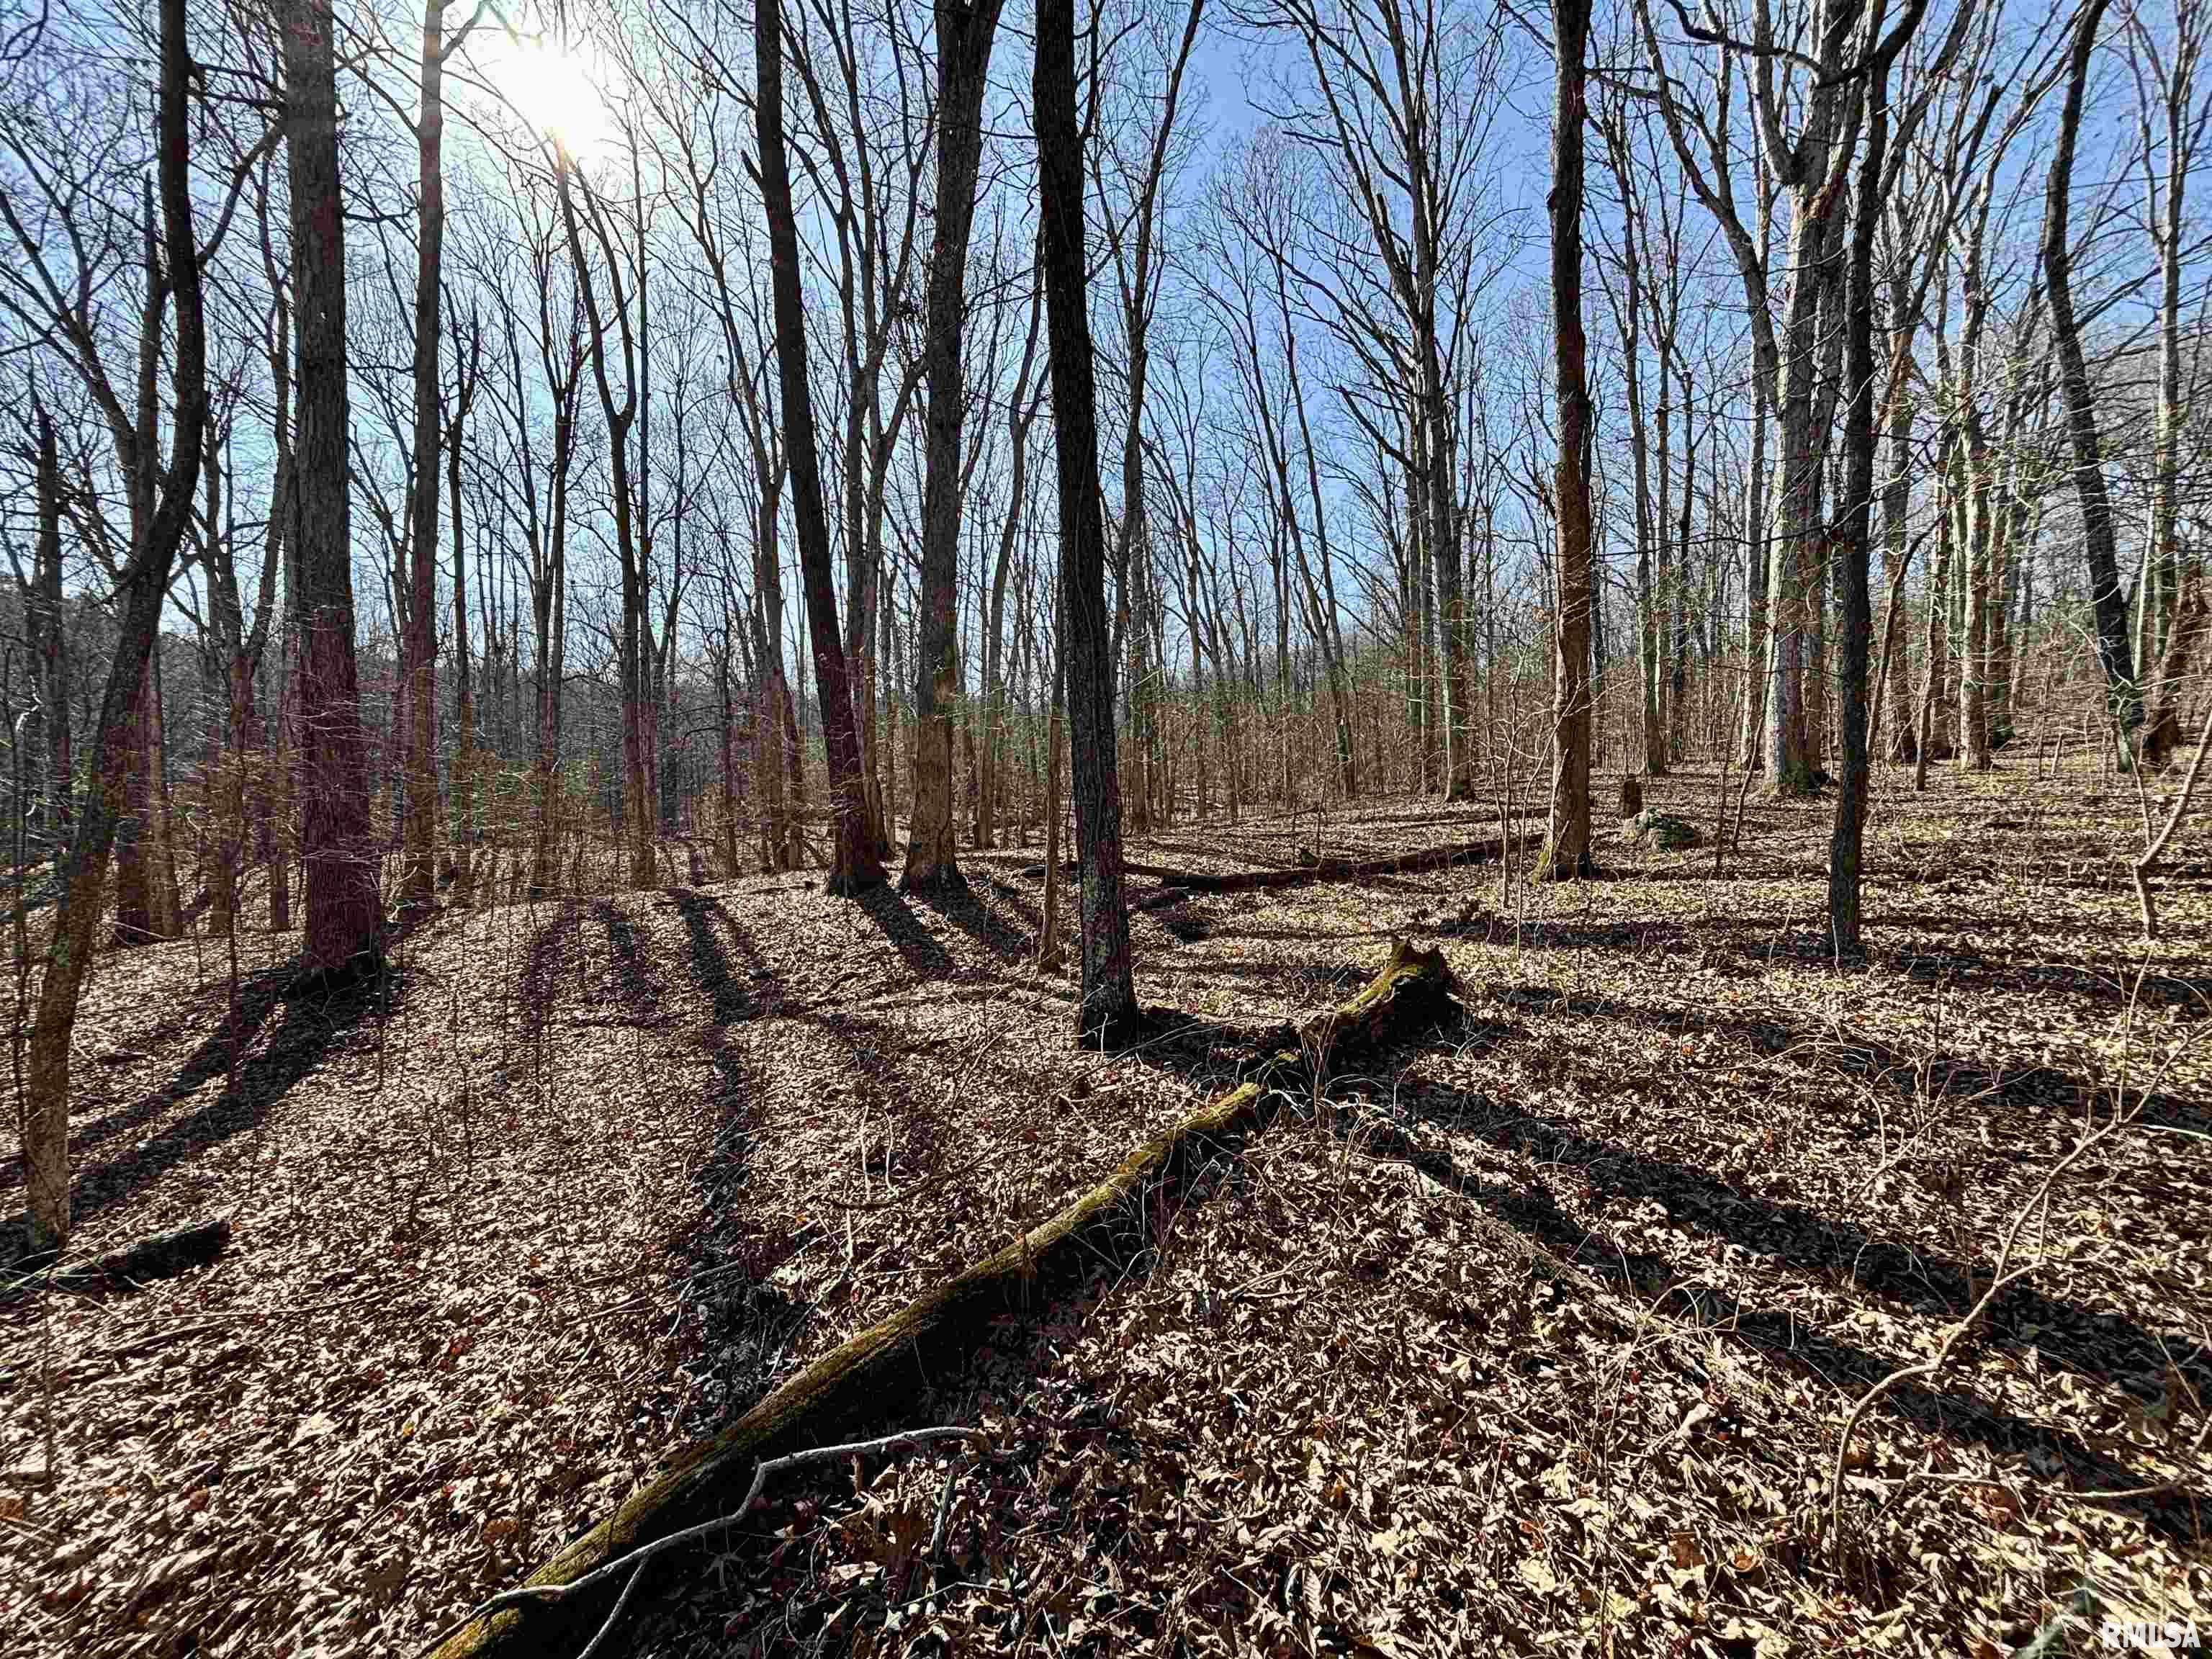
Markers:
point(1632, 797)
point(1657, 829)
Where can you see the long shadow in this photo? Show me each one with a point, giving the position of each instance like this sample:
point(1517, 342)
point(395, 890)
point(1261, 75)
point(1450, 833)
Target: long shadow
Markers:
point(636, 984)
point(1782, 1335)
point(710, 933)
point(920, 952)
point(746, 1324)
point(543, 962)
point(2109, 1347)
point(2110, 984)
point(981, 923)
point(1017, 902)
point(258, 995)
point(309, 1031)
point(715, 942)
point(1946, 1075)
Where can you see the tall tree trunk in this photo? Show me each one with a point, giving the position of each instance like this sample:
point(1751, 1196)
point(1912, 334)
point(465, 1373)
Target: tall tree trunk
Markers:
point(1108, 1013)
point(419, 654)
point(1756, 606)
point(1567, 848)
point(963, 60)
point(857, 866)
point(142, 595)
point(463, 820)
point(47, 634)
point(1847, 840)
point(338, 848)
point(1896, 552)
point(1792, 592)
point(2100, 546)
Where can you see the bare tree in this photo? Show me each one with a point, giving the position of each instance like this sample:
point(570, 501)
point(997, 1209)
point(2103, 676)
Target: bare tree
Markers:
point(1855, 509)
point(344, 907)
point(2171, 120)
point(419, 655)
point(1566, 852)
point(963, 60)
point(2100, 547)
point(166, 494)
point(857, 866)
point(1108, 1013)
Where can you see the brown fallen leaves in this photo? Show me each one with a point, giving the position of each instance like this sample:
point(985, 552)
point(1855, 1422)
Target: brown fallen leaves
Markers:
point(1537, 1340)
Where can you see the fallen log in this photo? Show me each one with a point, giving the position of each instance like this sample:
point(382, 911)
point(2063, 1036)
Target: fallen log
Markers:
point(866, 1376)
point(158, 1255)
point(1402, 864)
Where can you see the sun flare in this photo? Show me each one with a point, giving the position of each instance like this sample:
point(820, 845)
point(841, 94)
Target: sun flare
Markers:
point(555, 92)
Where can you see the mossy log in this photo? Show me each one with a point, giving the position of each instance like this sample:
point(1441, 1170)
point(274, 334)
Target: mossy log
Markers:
point(158, 1255)
point(1402, 864)
point(867, 1378)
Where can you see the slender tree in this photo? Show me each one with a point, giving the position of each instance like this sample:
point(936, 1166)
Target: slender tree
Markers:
point(1854, 535)
point(1108, 1013)
point(964, 32)
point(141, 594)
point(2099, 545)
point(1567, 849)
point(857, 866)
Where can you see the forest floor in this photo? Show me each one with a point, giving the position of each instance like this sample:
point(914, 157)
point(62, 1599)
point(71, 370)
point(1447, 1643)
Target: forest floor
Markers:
point(1535, 1336)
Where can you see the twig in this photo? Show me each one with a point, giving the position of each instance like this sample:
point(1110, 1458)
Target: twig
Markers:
point(2000, 1280)
point(943, 1512)
point(634, 1563)
point(2154, 846)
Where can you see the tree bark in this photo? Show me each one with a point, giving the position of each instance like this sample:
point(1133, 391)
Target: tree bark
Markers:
point(1566, 853)
point(2100, 546)
point(1108, 1013)
point(857, 866)
point(344, 907)
point(963, 60)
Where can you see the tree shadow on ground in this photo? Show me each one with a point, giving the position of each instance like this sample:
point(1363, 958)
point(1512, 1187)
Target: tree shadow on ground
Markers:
point(1934, 1071)
point(716, 943)
point(981, 923)
point(923, 954)
point(712, 935)
point(2111, 1348)
point(1017, 902)
point(637, 983)
point(745, 1326)
point(543, 960)
point(1784, 1335)
point(2112, 986)
point(310, 1029)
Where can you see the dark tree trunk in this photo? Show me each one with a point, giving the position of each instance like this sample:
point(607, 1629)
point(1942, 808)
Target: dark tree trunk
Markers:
point(419, 652)
point(963, 60)
point(1854, 533)
point(857, 866)
point(338, 848)
point(2100, 544)
point(1109, 1011)
point(1567, 848)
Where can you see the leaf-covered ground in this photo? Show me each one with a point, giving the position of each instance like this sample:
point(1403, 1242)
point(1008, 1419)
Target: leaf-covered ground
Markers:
point(1537, 1338)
